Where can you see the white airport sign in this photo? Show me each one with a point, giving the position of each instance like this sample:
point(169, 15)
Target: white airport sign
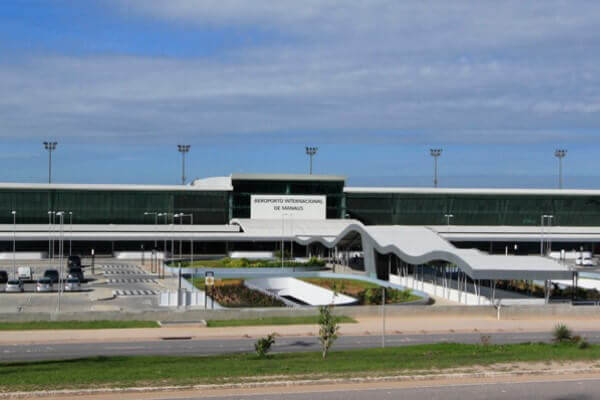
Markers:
point(263, 206)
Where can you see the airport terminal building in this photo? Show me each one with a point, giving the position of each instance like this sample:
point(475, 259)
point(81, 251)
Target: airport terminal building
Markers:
point(497, 216)
point(395, 228)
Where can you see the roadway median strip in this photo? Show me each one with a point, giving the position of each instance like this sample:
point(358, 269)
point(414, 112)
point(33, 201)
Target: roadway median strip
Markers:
point(246, 368)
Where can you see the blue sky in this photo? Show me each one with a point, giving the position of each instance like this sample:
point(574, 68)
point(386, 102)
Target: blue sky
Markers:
point(119, 83)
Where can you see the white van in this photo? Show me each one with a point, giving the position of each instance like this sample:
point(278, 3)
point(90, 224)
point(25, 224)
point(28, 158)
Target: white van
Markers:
point(24, 273)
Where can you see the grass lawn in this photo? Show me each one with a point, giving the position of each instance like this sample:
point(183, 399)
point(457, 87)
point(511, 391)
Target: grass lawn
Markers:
point(350, 284)
point(365, 292)
point(99, 372)
point(309, 320)
point(43, 325)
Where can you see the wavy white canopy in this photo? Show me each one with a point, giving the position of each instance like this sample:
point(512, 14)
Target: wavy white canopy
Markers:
point(412, 244)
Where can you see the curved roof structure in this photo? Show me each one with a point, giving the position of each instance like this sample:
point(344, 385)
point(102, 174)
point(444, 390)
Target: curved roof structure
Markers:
point(412, 244)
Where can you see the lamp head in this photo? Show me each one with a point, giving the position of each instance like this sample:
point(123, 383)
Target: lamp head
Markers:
point(311, 150)
point(560, 153)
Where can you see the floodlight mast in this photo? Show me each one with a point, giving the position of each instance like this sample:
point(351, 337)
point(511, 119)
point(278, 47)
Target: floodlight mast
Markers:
point(50, 146)
point(183, 149)
point(311, 151)
point(435, 153)
point(560, 154)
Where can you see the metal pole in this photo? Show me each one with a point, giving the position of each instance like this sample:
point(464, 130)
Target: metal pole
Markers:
point(71, 235)
point(50, 165)
point(49, 226)
point(560, 179)
point(542, 236)
point(383, 316)
point(155, 226)
point(14, 213)
point(435, 179)
point(179, 286)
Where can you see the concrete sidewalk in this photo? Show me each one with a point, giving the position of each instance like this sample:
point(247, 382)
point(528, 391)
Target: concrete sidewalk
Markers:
point(365, 326)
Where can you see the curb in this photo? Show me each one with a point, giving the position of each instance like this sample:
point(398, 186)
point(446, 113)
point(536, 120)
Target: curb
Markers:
point(266, 384)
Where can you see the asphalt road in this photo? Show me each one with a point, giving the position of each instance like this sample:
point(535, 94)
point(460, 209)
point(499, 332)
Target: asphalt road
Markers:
point(199, 347)
point(556, 390)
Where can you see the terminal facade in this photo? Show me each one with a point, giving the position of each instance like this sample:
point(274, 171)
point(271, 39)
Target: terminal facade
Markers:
point(218, 201)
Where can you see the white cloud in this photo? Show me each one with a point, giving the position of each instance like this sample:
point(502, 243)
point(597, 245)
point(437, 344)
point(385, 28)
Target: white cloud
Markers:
point(382, 70)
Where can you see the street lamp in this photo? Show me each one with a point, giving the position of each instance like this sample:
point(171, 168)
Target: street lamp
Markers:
point(166, 215)
point(448, 216)
point(435, 153)
point(311, 151)
point(71, 234)
point(543, 219)
point(156, 214)
point(14, 214)
point(191, 216)
point(61, 215)
point(183, 149)
point(560, 154)
point(50, 146)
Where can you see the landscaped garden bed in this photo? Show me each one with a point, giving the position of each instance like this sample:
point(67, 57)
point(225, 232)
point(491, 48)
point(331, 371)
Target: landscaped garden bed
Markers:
point(233, 293)
point(246, 263)
point(367, 293)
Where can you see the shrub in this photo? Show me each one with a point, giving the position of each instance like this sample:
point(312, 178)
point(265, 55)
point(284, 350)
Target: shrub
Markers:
point(562, 333)
point(583, 344)
point(486, 340)
point(328, 329)
point(263, 345)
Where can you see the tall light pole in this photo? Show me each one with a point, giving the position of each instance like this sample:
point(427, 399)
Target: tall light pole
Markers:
point(50, 146)
point(435, 153)
point(183, 149)
point(560, 154)
point(14, 214)
point(311, 151)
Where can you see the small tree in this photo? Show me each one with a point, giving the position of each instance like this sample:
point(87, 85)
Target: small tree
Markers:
point(328, 328)
point(263, 345)
point(562, 333)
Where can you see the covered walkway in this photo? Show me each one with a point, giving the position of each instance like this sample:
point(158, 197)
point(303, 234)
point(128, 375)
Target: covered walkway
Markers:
point(407, 249)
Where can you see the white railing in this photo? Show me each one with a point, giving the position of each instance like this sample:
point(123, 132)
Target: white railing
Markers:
point(440, 291)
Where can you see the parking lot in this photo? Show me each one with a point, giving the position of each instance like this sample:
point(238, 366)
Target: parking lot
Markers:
point(113, 285)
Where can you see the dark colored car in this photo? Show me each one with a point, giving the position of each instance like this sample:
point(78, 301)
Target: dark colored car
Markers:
point(52, 274)
point(3, 277)
point(74, 262)
point(76, 273)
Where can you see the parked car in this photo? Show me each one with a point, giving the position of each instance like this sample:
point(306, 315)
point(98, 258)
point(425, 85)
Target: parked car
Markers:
point(44, 285)
point(74, 262)
point(76, 273)
point(24, 273)
point(3, 276)
point(14, 285)
point(72, 285)
point(52, 274)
